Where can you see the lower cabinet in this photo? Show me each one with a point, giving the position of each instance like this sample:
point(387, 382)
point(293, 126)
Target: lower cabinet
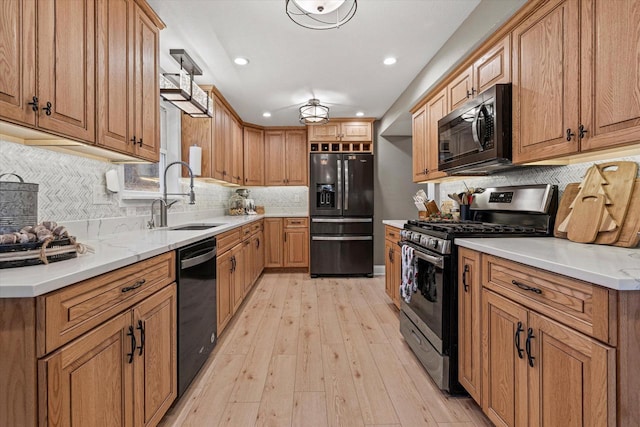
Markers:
point(537, 348)
point(122, 373)
point(224, 287)
point(393, 264)
point(287, 242)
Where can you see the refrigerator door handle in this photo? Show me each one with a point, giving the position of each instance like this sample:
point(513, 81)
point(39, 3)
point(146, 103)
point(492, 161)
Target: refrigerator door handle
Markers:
point(341, 238)
point(341, 219)
point(346, 185)
point(339, 195)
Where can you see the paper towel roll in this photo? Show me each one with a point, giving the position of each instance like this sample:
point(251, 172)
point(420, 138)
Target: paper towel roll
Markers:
point(195, 159)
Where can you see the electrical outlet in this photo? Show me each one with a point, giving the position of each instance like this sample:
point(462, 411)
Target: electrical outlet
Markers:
point(100, 195)
point(296, 198)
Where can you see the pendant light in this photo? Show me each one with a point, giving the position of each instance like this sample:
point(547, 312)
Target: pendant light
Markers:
point(314, 113)
point(321, 14)
point(182, 91)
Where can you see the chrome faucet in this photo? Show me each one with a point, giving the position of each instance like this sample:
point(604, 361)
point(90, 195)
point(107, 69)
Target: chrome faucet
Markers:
point(165, 205)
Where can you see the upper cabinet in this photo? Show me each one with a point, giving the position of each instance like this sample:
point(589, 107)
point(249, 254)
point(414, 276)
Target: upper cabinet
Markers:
point(425, 137)
point(460, 89)
point(237, 158)
point(285, 161)
point(610, 80)
point(127, 80)
point(83, 69)
point(341, 135)
point(419, 144)
point(198, 132)
point(545, 82)
point(253, 144)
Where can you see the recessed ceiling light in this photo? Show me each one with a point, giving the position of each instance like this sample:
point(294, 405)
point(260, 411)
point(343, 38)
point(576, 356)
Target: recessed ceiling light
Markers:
point(359, 114)
point(241, 61)
point(389, 61)
point(266, 114)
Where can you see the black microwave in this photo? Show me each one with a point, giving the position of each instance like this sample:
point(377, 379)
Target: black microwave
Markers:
point(475, 139)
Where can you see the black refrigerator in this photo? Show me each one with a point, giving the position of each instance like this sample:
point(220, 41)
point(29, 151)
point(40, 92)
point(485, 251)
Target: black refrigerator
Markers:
point(341, 210)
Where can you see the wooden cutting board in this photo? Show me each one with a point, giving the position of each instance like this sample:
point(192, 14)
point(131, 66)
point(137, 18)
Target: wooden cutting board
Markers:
point(586, 218)
point(630, 228)
point(621, 177)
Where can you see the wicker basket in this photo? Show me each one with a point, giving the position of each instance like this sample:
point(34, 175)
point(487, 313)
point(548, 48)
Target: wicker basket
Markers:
point(25, 254)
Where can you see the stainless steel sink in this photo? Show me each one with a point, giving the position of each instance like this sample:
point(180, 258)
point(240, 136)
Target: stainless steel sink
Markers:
point(186, 227)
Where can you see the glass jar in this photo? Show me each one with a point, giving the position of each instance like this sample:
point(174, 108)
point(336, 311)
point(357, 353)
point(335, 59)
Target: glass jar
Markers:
point(236, 205)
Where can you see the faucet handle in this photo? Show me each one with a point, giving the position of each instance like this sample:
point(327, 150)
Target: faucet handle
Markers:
point(151, 224)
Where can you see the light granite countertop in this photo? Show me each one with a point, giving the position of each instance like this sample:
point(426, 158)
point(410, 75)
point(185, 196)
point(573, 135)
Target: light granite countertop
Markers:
point(608, 266)
point(398, 223)
point(110, 253)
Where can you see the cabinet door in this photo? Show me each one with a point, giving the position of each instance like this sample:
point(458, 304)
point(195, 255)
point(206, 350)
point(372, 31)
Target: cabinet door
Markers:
point(355, 131)
point(572, 381)
point(237, 173)
point(469, 315)
point(237, 276)
point(260, 257)
point(197, 131)
point(114, 57)
point(66, 63)
point(494, 66)
point(228, 146)
point(296, 248)
point(155, 361)
point(89, 382)
point(296, 157)
point(18, 60)
point(248, 253)
point(274, 247)
point(419, 144)
point(460, 90)
point(545, 82)
point(504, 380)
point(224, 267)
point(218, 150)
point(274, 158)
point(610, 107)
point(436, 109)
point(253, 156)
point(388, 268)
point(329, 132)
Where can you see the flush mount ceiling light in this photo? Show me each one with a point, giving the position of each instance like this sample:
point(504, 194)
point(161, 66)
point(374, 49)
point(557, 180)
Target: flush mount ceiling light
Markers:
point(321, 14)
point(390, 60)
point(314, 113)
point(359, 114)
point(180, 89)
point(241, 61)
point(266, 114)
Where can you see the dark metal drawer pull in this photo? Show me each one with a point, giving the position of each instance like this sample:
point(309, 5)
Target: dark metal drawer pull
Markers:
point(133, 344)
point(464, 278)
point(134, 286)
point(526, 288)
point(141, 329)
point(530, 336)
point(517, 340)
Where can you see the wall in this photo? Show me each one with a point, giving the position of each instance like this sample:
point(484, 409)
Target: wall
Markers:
point(73, 189)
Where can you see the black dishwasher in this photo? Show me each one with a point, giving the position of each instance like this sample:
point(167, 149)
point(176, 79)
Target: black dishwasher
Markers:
point(197, 321)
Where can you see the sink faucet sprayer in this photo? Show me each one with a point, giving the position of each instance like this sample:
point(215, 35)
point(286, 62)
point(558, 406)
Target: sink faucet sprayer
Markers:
point(164, 203)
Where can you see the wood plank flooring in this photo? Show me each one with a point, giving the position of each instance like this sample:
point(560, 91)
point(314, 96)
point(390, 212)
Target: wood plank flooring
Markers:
point(317, 352)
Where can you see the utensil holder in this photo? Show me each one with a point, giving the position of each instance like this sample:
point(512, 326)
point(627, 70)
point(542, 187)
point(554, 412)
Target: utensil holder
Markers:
point(465, 213)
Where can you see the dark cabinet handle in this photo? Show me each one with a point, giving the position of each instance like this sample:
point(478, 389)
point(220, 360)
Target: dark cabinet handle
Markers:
point(570, 134)
point(134, 286)
point(526, 288)
point(34, 104)
point(140, 142)
point(47, 109)
point(530, 336)
point(257, 243)
point(517, 340)
point(141, 329)
point(390, 254)
point(471, 93)
point(464, 278)
point(581, 131)
point(233, 263)
point(133, 140)
point(133, 344)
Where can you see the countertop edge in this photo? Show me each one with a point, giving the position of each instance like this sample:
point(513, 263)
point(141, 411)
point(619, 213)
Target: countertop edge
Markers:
point(397, 223)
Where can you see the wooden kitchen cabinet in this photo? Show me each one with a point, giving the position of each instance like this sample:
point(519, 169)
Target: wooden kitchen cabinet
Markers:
point(469, 323)
point(285, 160)
point(341, 135)
point(123, 372)
point(224, 289)
point(274, 242)
point(287, 242)
point(493, 67)
point(460, 90)
point(329, 132)
point(545, 92)
point(197, 131)
point(425, 137)
point(238, 277)
point(237, 153)
point(393, 264)
point(253, 156)
point(220, 124)
point(128, 116)
point(296, 247)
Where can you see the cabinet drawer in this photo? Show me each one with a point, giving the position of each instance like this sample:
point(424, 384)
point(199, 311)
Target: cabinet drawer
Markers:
point(295, 222)
point(578, 304)
point(246, 231)
point(72, 311)
point(256, 226)
point(392, 233)
point(229, 239)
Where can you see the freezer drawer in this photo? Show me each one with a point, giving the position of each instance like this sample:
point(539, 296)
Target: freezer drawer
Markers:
point(341, 256)
point(340, 226)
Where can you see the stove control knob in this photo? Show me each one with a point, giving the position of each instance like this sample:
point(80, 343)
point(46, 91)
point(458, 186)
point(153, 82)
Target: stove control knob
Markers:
point(433, 243)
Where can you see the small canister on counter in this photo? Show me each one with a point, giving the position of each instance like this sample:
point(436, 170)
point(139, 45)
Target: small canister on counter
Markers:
point(18, 204)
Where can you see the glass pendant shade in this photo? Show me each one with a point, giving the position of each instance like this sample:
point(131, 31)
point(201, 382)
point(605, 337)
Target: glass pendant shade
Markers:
point(314, 113)
point(321, 14)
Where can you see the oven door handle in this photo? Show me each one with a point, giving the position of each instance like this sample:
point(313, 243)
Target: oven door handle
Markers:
point(438, 261)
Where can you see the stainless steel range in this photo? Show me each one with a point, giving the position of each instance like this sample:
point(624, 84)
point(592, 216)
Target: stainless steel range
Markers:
point(429, 322)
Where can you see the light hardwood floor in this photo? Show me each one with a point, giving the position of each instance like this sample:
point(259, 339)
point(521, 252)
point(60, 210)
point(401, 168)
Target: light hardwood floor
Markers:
point(317, 352)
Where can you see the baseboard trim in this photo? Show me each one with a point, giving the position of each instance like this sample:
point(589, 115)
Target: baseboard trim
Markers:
point(378, 270)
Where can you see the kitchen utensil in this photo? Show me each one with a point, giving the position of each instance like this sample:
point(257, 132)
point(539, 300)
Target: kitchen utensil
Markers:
point(621, 178)
point(454, 197)
point(629, 237)
point(586, 216)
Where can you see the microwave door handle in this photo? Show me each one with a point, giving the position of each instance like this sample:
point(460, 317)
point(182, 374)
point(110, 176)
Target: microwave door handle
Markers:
point(474, 128)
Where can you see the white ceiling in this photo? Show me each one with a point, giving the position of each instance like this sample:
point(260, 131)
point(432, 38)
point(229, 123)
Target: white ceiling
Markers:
point(290, 64)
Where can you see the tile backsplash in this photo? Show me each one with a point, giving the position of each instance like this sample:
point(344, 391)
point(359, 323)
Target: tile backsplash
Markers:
point(558, 175)
point(73, 188)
